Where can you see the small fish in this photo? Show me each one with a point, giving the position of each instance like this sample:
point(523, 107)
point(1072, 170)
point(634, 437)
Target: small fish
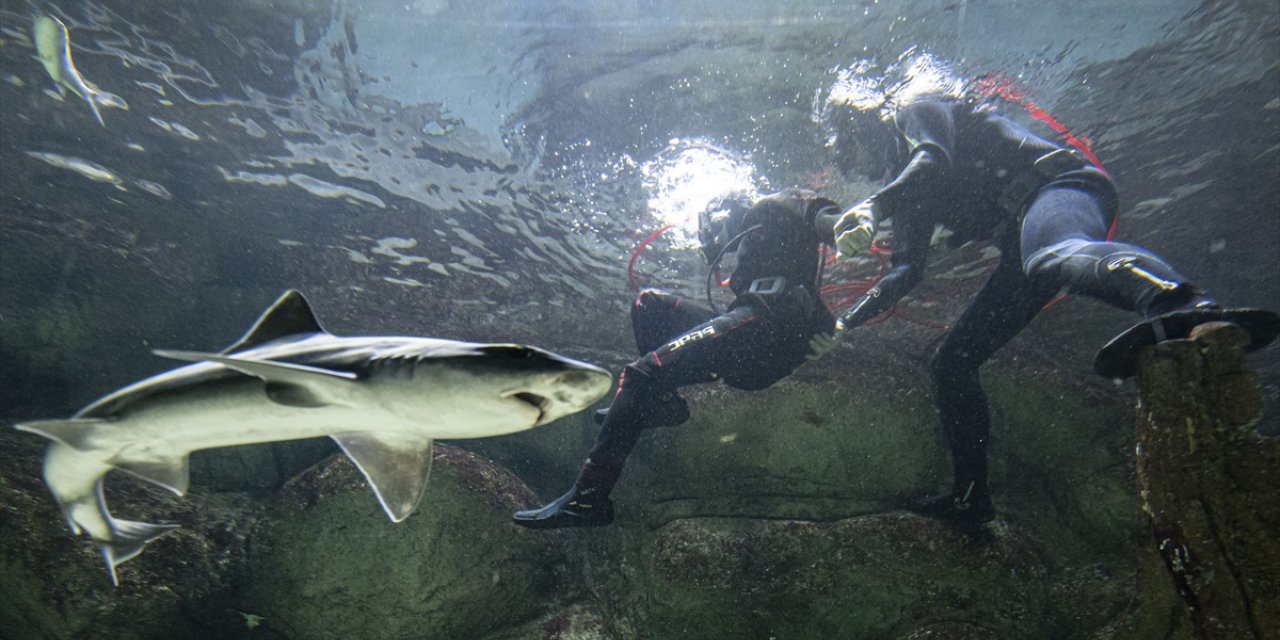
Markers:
point(53, 44)
point(90, 170)
point(383, 399)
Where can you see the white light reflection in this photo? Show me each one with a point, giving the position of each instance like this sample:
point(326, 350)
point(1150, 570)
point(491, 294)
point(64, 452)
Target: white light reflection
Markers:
point(864, 86)
point(925, 74)
point(685, 177)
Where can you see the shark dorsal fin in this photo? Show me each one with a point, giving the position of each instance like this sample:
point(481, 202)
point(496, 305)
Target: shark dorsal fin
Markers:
point(290, 315)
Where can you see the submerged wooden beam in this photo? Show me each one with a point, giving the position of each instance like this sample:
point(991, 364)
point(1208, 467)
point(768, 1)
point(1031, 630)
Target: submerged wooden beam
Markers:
point(1209, 567)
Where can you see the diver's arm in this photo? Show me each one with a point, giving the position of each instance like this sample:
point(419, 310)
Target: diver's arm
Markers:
point(792, 208)
point(856, 228)
point(915, 181)
point(824, 220)
point(911, 249)
point(885, 294)
point(929, 130)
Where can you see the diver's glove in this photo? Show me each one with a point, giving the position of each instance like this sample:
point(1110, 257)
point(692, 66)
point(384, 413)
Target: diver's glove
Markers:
point(856, 229)
point(820, 344)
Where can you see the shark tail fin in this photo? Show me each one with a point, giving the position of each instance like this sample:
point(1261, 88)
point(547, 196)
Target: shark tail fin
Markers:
point(127, 540)
point(92, 99)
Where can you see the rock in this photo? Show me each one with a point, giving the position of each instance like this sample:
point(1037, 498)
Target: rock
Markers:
point(796, 451)
point(949, 631)
point(328, 563)
point(575, 622)
point(875, 576)
point(56, 586)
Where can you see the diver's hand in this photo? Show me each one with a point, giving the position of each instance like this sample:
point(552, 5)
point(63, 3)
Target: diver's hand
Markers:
point(854, 241)
point(855, 229)
point(820, 344)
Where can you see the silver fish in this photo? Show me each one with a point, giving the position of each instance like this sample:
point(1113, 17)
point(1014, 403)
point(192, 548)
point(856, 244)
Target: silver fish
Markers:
point(383, 399)
point(53, 46)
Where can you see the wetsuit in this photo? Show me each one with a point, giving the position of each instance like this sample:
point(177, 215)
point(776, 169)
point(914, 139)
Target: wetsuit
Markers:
point(984, 177)
point(760, 339)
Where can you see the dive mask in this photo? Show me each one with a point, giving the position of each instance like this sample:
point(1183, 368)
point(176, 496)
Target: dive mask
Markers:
point(718, 225)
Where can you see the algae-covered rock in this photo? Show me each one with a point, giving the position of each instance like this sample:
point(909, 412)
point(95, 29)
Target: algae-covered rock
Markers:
point(799, 451)
point(868, 577)
point(579, 621)
point(54, 585)
point(327, 562)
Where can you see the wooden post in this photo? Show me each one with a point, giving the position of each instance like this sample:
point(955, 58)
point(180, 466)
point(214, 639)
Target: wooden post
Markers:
point(1209, 487)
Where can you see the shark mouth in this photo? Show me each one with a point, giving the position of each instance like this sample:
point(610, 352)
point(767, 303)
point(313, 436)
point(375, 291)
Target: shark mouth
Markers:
point(541, 403)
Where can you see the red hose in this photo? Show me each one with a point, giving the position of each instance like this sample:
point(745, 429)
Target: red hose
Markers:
point(635, 254)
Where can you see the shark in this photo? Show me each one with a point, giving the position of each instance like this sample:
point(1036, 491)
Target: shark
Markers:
point(53, 47)
point(384, 400)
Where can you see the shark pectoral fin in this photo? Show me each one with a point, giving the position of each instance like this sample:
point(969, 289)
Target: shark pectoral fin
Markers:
point(395, 465)
point(74, 433)
point(127, 540)
point(174, 475)
point(288, 383)
point(273, 370)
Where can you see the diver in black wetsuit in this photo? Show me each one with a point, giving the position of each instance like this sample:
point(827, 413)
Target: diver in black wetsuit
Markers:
point(774, 324)
point(1048, 210)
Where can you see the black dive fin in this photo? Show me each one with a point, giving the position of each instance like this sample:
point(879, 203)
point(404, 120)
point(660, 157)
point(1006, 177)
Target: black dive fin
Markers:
point(1119, 358)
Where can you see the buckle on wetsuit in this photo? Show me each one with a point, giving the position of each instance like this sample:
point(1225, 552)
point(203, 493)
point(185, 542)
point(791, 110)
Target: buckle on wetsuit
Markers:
point(1057, 162)
point(767, 286)
point(761, 291)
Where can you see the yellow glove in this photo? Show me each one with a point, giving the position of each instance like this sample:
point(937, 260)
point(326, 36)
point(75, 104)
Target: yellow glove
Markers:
point(855, 229)
point(820, 344)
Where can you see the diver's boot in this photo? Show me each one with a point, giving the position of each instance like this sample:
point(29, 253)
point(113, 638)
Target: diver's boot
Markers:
point(1172, 308)
point(967, 506)
point(586, 504)
point(669, 410)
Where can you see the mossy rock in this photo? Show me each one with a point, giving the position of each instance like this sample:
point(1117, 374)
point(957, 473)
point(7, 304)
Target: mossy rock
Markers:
point(876, 576)
point(796, 450)
point(54, 585)
point(328, 563)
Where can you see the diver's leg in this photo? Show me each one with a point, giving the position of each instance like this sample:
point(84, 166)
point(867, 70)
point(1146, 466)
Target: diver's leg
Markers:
point(656, 316)
point(641, 402)
point(1063, 242)
point(1004, 306)
point(587, 502)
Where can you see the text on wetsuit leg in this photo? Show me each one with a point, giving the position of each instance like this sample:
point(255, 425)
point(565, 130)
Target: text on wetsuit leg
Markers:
point(705, 332)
